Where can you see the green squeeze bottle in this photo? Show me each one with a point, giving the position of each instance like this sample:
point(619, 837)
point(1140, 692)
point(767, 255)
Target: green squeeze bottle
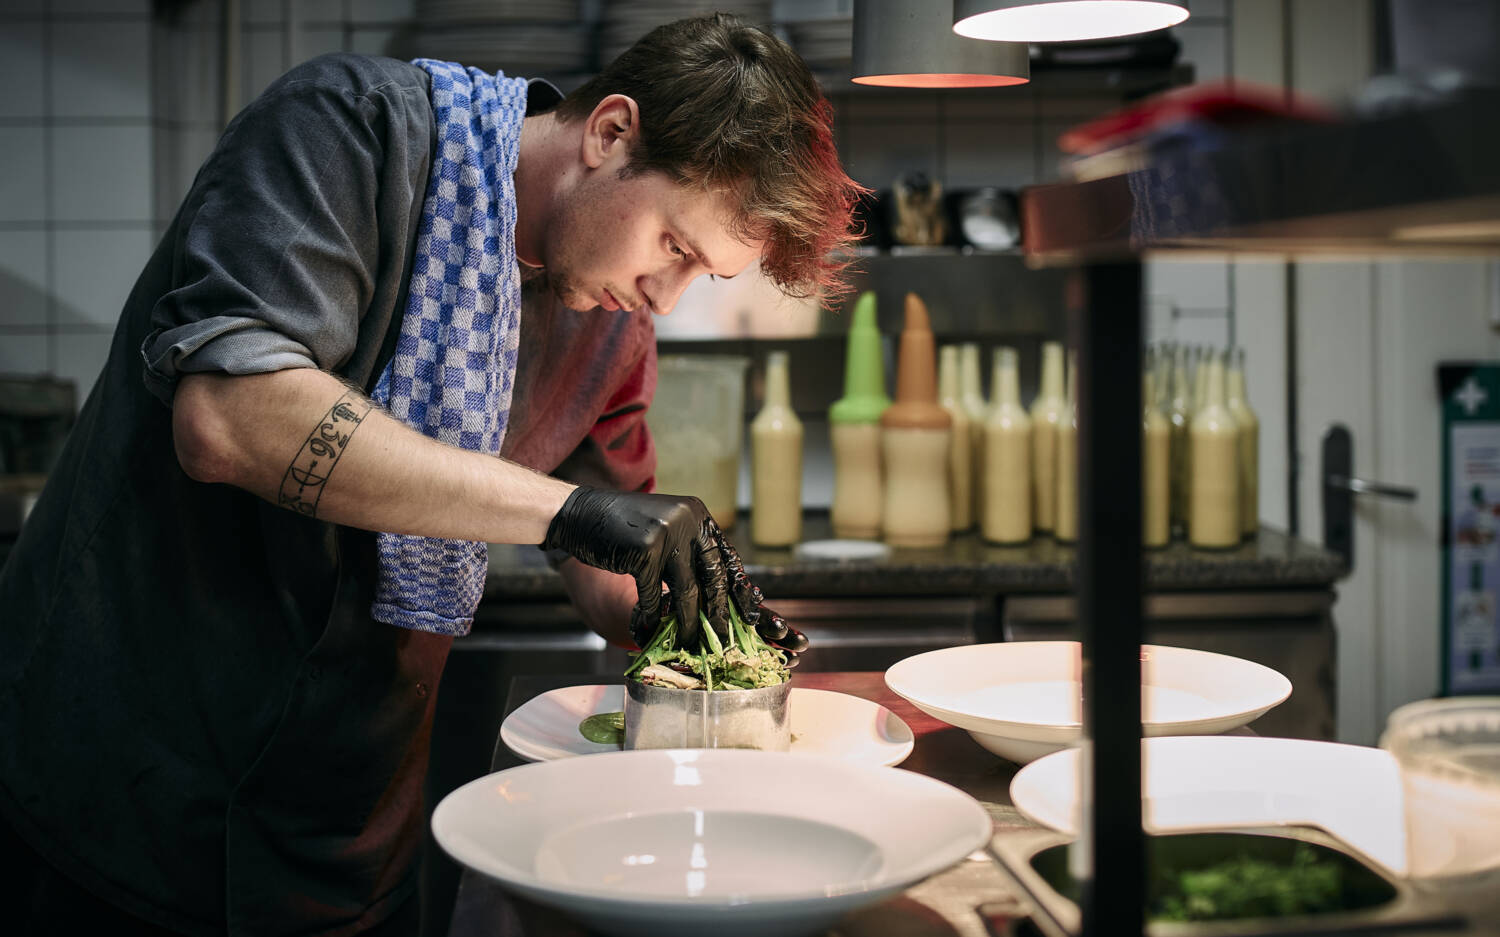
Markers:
point(854, 422)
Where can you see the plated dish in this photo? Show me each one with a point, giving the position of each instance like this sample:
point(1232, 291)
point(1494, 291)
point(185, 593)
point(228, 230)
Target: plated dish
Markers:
point(1219, 782)
point(823, 722)
point(1020, 699)
point(694, 841)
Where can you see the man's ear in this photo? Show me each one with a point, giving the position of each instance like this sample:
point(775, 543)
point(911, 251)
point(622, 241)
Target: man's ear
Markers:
point(610, 130)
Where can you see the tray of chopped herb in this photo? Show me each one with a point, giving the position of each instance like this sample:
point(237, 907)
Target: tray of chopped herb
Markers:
point(1229, 883)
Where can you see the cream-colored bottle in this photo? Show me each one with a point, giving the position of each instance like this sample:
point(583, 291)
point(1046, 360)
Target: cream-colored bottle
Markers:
point(776, 462)
point(1214, 518)
point(960, 460)
point(1201, 356)
point(1066, 529)
point(1239, 405)
point(971, 396)
point(1180, 415)
point(914, 433)
point(1007, 456)
point(854, 428)
point(1156, 468)
point(1046, 415)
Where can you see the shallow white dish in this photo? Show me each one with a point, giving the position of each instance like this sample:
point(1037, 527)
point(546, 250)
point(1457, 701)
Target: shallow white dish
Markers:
point(823, 723)
point(720, 841)
point(846, 551)
point(1213, 782)
point(1020, 699)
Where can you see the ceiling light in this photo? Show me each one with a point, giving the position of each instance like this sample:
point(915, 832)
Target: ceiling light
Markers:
point(910, 44)
point(1063, 20)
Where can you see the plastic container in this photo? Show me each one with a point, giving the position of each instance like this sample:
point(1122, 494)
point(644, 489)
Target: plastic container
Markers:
point(1449, 753)
point(697, 421)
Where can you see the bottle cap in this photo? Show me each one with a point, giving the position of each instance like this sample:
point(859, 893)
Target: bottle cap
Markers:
point(916, 405)
point(864, 372)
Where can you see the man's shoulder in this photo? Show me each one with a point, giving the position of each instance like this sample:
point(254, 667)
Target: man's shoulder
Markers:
point(352, 73)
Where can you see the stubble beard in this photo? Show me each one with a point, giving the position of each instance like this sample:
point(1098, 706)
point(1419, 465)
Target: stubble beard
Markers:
point(572, 296)
point(563, 287)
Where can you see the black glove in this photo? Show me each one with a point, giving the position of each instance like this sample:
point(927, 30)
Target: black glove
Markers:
point(773, 629)
point(653, 539)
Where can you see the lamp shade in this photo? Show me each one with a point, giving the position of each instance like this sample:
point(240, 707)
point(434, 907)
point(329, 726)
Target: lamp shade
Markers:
point(1063, 20)
point(911, 44)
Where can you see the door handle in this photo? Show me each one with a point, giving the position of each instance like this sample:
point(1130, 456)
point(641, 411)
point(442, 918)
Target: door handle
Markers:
point(1340, 485)
point(1361, 486)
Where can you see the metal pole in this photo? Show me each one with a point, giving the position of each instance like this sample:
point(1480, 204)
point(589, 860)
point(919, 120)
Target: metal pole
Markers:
point(1107, 329)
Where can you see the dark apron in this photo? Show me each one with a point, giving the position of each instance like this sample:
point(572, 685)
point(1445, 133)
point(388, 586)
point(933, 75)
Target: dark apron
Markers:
point(203, 724)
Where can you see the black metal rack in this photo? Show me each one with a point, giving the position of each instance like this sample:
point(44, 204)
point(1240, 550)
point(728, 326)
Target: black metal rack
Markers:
point(1424, 181)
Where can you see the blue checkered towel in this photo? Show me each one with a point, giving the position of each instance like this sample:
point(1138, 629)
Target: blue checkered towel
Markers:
point(455, 361)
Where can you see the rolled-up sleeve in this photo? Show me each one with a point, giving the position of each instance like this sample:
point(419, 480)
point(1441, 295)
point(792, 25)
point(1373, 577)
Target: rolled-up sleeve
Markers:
point(276, 246)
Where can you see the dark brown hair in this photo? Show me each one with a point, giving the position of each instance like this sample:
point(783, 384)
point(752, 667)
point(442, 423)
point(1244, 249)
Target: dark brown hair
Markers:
point(725, 105)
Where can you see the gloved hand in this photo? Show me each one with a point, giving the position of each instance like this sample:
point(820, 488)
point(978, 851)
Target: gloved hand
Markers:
point(773, 629)
point(653, 539)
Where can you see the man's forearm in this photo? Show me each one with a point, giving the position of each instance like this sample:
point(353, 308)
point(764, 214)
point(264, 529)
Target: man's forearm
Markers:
point(301, 439)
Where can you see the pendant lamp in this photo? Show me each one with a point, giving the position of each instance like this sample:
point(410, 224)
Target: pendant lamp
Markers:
point(911, 44)
point(1063, 20)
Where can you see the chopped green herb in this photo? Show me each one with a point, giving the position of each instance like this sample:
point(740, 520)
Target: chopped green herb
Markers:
point(604, 728)
point(1244, 887)
point(744, 661)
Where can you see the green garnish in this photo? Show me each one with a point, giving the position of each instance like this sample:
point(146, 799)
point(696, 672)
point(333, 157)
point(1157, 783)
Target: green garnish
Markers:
point(1244, 887)
point(744, 661)
point(604, 728)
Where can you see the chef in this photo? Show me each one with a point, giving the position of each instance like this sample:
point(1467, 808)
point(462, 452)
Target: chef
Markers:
point(224, 623)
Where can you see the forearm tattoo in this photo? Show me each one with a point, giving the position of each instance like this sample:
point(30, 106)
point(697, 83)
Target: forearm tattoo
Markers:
point(302, 485)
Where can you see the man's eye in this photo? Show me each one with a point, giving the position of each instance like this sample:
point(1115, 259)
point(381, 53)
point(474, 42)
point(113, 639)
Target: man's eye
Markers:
point(672, 246)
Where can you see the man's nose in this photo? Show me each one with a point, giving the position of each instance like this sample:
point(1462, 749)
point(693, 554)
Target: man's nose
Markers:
point(665, 287)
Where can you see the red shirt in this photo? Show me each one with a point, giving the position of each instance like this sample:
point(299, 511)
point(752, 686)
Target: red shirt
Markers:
point(583, 382)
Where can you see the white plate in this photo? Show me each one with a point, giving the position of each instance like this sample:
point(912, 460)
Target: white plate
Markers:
point(708, 841)
point(1020, 699)
point(823, 723)
point(1213, 782)
point(842, 550)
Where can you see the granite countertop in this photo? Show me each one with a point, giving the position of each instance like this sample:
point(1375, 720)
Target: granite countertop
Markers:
point(966, 564)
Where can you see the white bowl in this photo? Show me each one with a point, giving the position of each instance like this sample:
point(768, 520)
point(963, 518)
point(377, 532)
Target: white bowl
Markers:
point(1199, 782)
point(718, 841)
point(1020, 699)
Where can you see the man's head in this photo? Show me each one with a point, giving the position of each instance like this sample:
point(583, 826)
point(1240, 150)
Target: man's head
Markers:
point(707, 145)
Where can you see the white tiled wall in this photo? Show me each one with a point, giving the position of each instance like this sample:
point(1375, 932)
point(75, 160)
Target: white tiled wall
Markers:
point(109, 116)
point(75, 171)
